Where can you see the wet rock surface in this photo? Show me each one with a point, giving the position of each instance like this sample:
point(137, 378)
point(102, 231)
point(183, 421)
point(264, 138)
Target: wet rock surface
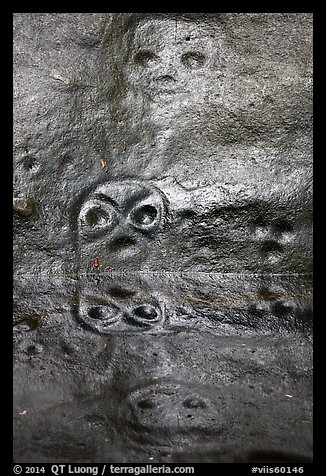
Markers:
point(162, 237)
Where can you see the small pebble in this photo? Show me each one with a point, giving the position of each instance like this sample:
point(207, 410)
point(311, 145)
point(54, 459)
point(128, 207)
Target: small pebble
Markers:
point(24, 206)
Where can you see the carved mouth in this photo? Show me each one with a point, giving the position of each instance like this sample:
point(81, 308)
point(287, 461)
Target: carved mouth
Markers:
point(165, 84)
point(166, 79)
point(122, 243)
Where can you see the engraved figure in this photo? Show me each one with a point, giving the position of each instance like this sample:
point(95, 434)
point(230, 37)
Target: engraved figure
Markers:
point(117, 222)
point(171, 57)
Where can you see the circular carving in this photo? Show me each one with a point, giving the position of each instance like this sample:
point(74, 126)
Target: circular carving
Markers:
point(96, 218)
point(193, 60)
point(145, 315)
point(146, 58)
point(145, 216)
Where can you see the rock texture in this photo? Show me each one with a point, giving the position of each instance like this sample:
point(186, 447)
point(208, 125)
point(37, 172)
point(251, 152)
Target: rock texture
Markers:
point(162, 237)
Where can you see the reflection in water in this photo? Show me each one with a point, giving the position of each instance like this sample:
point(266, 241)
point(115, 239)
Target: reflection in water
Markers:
point(198, 364)
point(222, 304)
point(216, 303)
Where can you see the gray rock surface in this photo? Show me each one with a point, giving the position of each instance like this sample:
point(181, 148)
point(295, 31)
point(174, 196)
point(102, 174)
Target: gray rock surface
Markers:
point(162, 237)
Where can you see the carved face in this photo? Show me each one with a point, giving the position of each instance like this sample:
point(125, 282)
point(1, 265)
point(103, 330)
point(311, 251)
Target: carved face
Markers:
point(172, 57)
point(117, 221)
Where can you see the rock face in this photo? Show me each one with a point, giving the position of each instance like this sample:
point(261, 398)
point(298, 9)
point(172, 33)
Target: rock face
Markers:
point(162, 237)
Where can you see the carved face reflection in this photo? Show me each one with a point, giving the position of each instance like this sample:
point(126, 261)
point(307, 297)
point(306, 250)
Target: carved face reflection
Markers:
point(107, 303)
point(105, 313)
point(118, 220)
point(171, 57)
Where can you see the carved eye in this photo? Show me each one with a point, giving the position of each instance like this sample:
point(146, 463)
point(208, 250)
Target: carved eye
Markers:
point(144, 315)
point(194, 403)
point(99, 316)
point(193, 60)
point(96, 217)
point(146, 58)
point(103, 314)
point(146, 217)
